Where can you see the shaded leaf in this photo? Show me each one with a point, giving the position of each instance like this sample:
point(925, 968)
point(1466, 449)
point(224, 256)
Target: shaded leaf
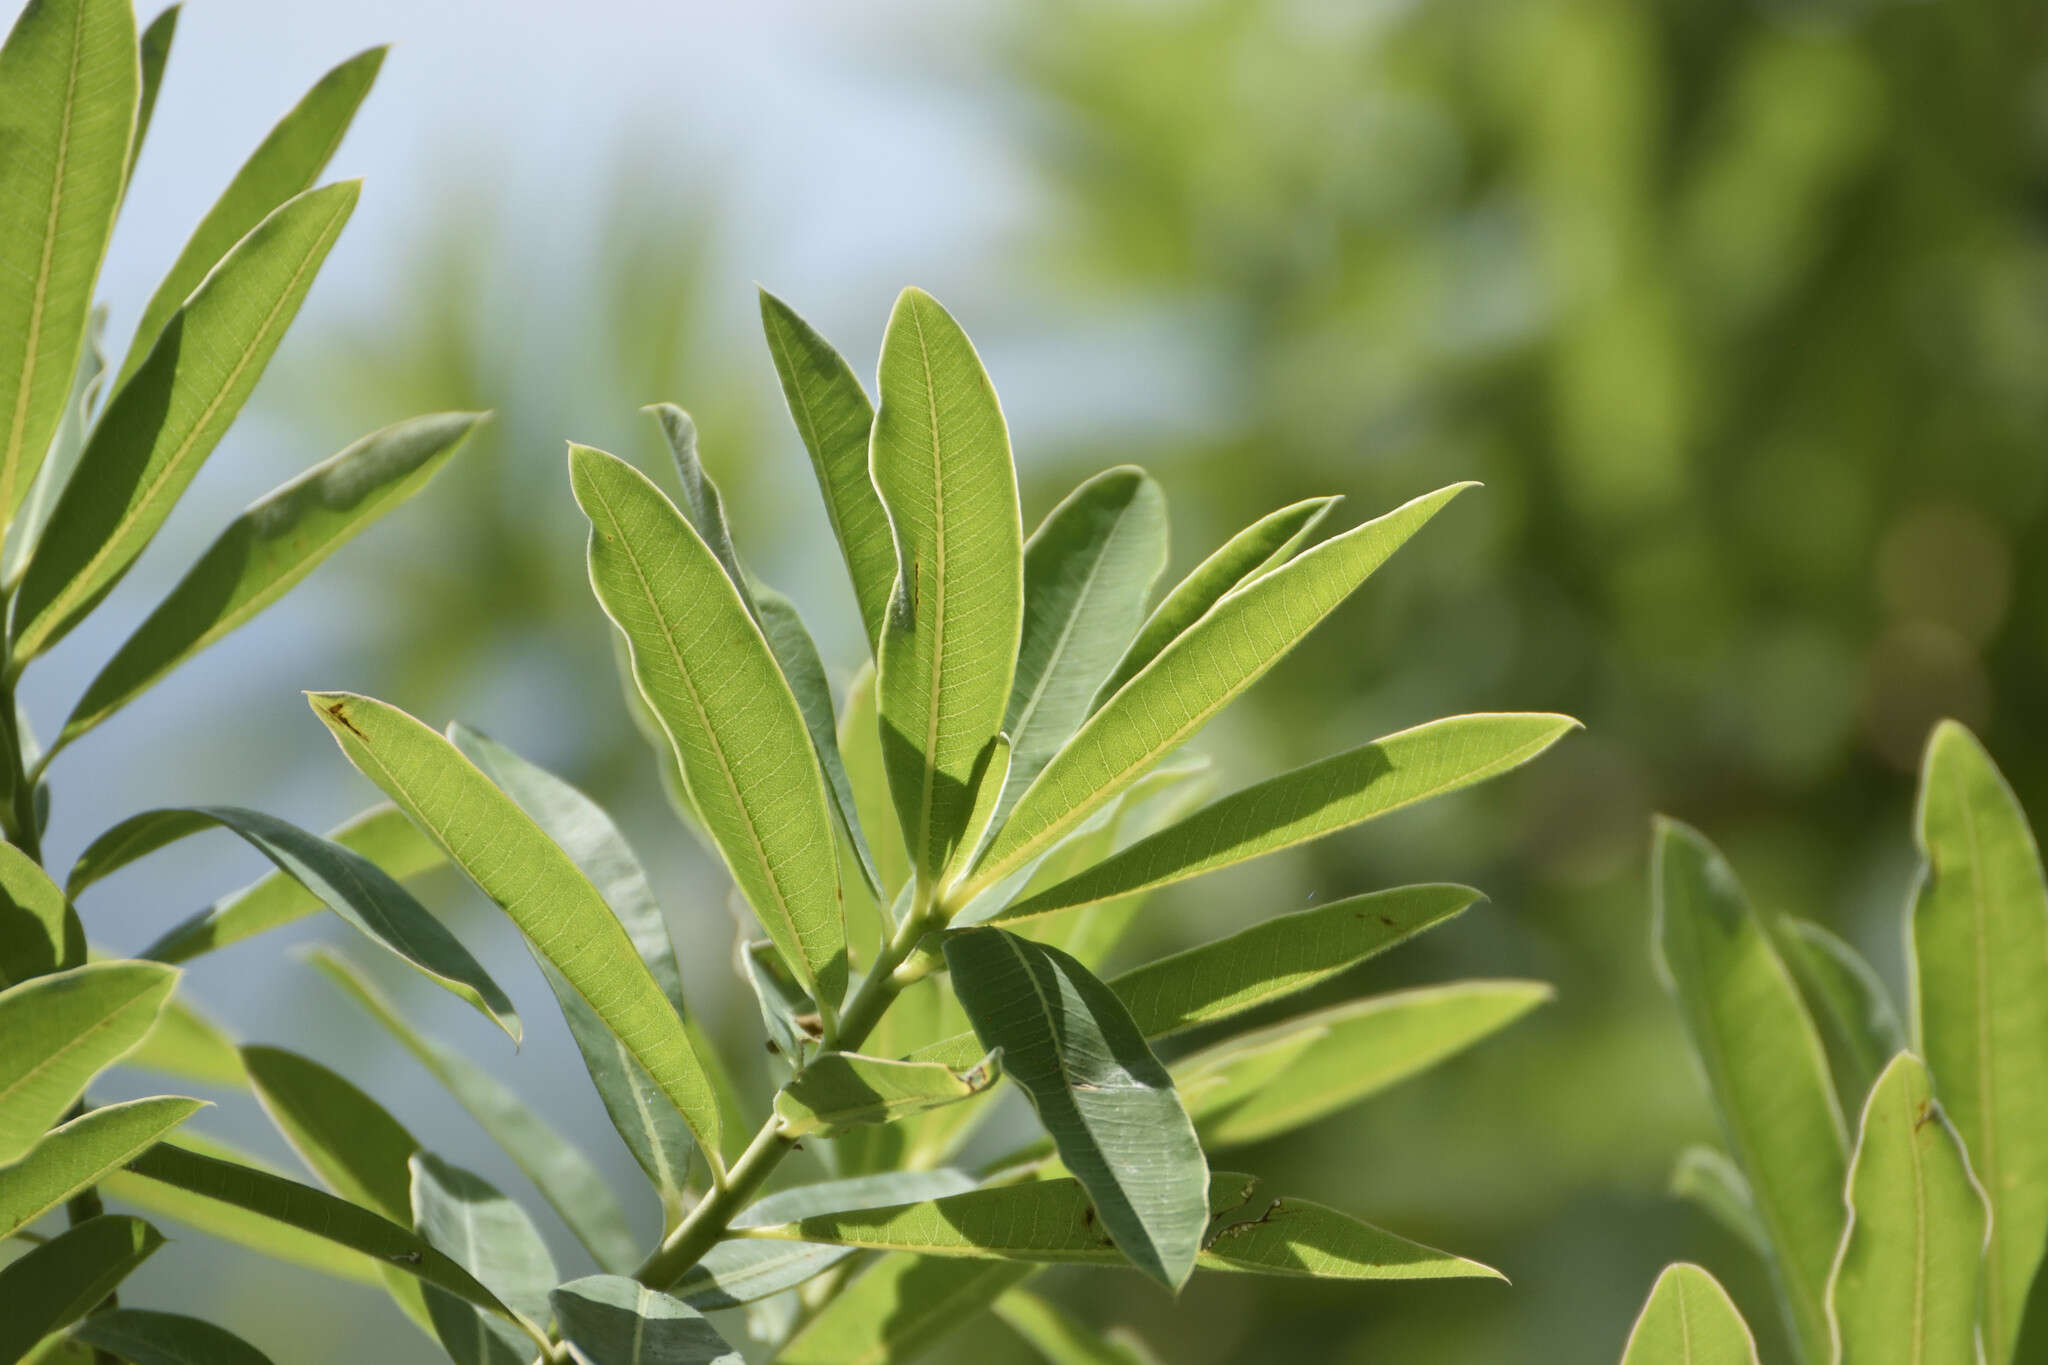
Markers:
point(143, 1337)
point(1058, 1338)
point(190, 1046)
point(841, 1090)
point(1858, 1026)
point(349, 1140)
point(39, 931)
point(76, 1155)
point(610, 1320)
point(860, 746)
point(1709, 1179)
point(63, 1029)
point(1689, 1320)
point(901, 1307)
point(156, 54)
point(59, 1282)
point(491, 1237)
point(65, 448)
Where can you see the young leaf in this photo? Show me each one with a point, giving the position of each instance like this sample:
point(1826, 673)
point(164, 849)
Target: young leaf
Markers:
point(940, 457)
point(39, 931)
point(1906, 1282)
point(190, 1046)
point(1709, 1179)
point(900, 1308)
point(841, 1090)
point(1857, 1024)
point(1104, 1099)
point(1088, 573)
point(349, 1140)
point(143, 1337)
point(61, 1281)
point(1340, 791)
point(707, 672)
point(1979, 971)
point(75, 1156)
point(610, 1320)
point(265, 551)
point(1267, 542)
point(491, 1237)
point(1204, 669)
point(564, 1176)
point(1057, 1338)
point(63, 1029)
point(486, 834)
point(162, 424)
point(1763, 1063)
point(69, 83)
point(287, 163)
point(1689, 1320)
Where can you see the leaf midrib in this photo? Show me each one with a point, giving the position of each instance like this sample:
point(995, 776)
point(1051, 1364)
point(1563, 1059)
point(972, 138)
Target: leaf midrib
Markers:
point(71, 1045)
point(931, 743)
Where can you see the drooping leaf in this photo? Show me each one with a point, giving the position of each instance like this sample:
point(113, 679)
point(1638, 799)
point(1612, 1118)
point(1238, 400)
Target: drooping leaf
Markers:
point(64, 1028)
point(1979, 927)
point(144, 1337)
point(706, 670)
point(1763, 1063)
point(1267, 542)
point(349, 1140)
point(1340, 791)
point(1205, 667)
point(65, 448)
point(39, 931)
point(286, 163)
point(1710, 1180)
point(59, 1282)
point(900, 1308)
point(166, 419)
point(611, 1320)
point(565, 1177)
point(1689, 1320)
point(841, 1090)
point(485, 833)
point(268, 549)
point(1088, 574)
point(69, 83)
point(1907, 1281)
point(190, 1046)
point(940, 458)
point(76, 1155)
point(1058, 1338)
point(490, 1236)
point(1858, 1026)
point(1104, 1099)
point(352, 886)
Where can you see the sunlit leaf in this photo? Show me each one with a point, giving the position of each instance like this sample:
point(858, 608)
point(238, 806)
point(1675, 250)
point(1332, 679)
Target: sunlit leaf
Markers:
point(39, 931)
point(76, 1155)
point(901, 1307)
point(1689, 1320)
point(55, 1284)
point(1710, 1180)
point(1858, 1026)
point(143, 1337)
point(491, 1237)
point(63, 1029)
point(349, 1140)
point(841, 1090)
point(611, 1320)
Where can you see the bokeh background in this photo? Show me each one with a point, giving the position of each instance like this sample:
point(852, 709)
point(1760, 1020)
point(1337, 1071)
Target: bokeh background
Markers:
point(1738, 307)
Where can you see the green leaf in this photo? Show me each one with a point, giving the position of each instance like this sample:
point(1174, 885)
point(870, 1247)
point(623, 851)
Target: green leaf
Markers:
point(287, 163)
point(706, 670)
point(166, 419)
point(1689, 1320)
point(69, 82)
point(834, 418)
point(1051, 1220)
point(349, 1140)
point(1264, 1083)
point(1906, 1283)
point(488, 1235)
point(1848, 1002)
point(1979, 971)
point(841, 1090)
point(39, 931)
point(1345, 789)
point(1206, 667)
point(190, 1046)
point(62, 461)
point(61, 1281)
point(610, 1320)
point(1764, 1066)
point(63, 1029)
point(75, 1156)
point(1058, 1338)
point(1266, 543)
point(565, 1177)
point(860, 746)
point(143, 1337)
point(565, 919)
point(1710, 1180)
point(940, 457)
point(382, 834)
point(352, 886)
point(1104, 1099)
point(1088, 573)
point(901, 1307)
point(268, 549)
point(156, 54)
point(789, 1016)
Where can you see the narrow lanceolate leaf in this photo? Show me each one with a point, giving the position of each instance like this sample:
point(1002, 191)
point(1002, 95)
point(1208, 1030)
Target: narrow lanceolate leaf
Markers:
point(189, 1045)
point(940, 458)
point(1980, 1003)
point(60, 1281)
point(485, 833)
point(1848, 1002)
point(162, 424)
point(266, 551)
point(143, 1337)
point(69, 83)
point(860, 746)
point(1764, 1066)
point(1689, 1320)
point(565, 1177)
point(1204, 669)
point(289, 160)
point(352, 886)
point(156, 55)
point(1052, 1220)
point(900, 1308)
point(63, 1029)
point(611, 1320)
point(1262, 1084)
point(1709, 1179)
point(1058, 1338)
point(39, 931)
point(1906, 1284)
point(1088, 573)
point(491, 1237)
point(1266, 543)
point(841, 1090)
point(383, 834)
point(1346, 789)
point(706, 670)
point(70, 1158)
point(1104, 1099)
point(349, 1140)
point(65, 448)
point(833, 417)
